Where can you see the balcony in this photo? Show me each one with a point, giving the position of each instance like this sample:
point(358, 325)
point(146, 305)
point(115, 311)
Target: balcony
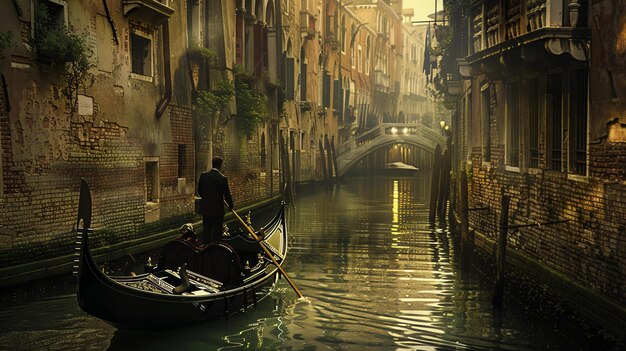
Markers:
point(149, 11)
point(502, 37)
point(307, 24)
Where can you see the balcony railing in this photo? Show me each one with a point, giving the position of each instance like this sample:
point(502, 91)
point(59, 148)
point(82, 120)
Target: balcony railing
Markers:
point(492, 23)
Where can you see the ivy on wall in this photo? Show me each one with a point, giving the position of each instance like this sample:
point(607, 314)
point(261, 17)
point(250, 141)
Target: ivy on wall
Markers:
point(61, 49)
point(211, 104)
point(251, 105)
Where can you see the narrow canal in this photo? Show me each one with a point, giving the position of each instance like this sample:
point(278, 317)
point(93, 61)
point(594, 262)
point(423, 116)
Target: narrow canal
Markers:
point(375, 276)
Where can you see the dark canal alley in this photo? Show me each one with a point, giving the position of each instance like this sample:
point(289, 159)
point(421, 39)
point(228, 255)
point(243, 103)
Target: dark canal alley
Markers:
point(375, 276)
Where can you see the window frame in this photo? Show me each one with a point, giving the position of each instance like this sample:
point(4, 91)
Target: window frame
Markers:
point(513, 125)
point(149, 36)
point(550, 132)
point(485, 114)
point(33, 15)
point(576, 167)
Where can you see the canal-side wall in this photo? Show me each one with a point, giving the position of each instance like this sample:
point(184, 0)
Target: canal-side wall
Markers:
point(139, 163)
point(153, 237)
point(585, 258)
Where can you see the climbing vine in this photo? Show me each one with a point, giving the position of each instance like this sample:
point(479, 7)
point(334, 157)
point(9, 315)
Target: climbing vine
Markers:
point(198, 51)
point(251, 105)
point(61, 49)
point(211, 104)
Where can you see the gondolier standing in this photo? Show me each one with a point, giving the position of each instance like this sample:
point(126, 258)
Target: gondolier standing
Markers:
point(213, 190)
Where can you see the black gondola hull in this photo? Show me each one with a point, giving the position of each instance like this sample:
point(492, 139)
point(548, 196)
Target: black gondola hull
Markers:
point(125, 304)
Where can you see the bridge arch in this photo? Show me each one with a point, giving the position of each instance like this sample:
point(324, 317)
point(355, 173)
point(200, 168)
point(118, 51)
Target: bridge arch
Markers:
point(383, 136)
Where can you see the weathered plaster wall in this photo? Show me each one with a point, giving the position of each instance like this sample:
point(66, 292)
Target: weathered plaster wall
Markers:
point(46, 148)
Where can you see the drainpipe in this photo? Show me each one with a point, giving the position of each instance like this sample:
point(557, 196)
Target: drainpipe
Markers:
point(167, 72)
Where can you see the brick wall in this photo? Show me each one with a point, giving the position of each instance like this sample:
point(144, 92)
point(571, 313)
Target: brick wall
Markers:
point(608, 161)
point(177, 192)
point(589, 249)
point(44, 200)
point(249, 182)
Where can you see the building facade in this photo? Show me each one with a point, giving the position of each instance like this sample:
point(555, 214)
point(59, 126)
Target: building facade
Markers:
point(538, 118)
point(137, 96)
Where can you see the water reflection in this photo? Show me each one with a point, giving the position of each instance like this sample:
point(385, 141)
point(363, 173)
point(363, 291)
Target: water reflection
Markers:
point(375, 275)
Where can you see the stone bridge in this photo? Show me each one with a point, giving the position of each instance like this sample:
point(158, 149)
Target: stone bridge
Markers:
point(386, 134)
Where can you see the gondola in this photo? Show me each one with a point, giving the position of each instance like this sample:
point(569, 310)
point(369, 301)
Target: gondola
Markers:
point(399, 169)
point(170, 298)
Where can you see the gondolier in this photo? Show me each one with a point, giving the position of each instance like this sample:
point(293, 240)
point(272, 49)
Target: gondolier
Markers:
point(213, 190)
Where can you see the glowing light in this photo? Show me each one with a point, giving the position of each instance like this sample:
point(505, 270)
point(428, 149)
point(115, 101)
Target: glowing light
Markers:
point(394, 130)
point(395, 206)
point(405, 130)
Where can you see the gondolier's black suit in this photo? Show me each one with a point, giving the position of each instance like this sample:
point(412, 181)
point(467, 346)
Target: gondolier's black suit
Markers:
point(213, 190)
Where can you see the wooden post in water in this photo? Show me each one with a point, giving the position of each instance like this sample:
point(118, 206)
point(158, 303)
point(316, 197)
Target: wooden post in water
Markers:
point(498, 290)
point(444, 185)
point(434, 184)
point(323, 163)
point(329, 160)
point(464, 213)
point(332, 149)
point(287, 169)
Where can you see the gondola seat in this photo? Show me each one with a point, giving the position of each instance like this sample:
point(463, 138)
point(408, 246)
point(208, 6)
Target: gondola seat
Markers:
point(217, 260)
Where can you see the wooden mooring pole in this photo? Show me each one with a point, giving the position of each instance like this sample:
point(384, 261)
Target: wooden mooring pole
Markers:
point(434, 184)
point(323, 159)
point(287, 171)
point(329, 159)
point(332, 149)
point(498, 290)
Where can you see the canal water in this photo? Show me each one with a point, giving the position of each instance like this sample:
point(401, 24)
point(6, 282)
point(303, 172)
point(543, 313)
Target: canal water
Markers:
point(374, 274)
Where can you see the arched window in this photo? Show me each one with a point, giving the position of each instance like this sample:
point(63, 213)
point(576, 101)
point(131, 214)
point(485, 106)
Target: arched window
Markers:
point(269, 14)
point(303, 74)
point(367, 55)
point(343, 34)
point(353, 34)
point(263, 151)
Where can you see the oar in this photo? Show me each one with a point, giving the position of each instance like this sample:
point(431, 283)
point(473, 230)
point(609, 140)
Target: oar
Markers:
point(267, 252)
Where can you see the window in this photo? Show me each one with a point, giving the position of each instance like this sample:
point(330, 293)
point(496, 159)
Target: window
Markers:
point(51, 12)
point(193, 23)
point(512, 124)
point(359, 59)
point(485, 114)
point(465, 126)
point(578, 122)
point(367, 56)
point(49, 18)
point(343, 34)
point(533, 122)
point(141, 54)
point(182, 160)
point(290, 76)
point(303, 75)
point(152, 181)
point(263, 151)
point(554, 103)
